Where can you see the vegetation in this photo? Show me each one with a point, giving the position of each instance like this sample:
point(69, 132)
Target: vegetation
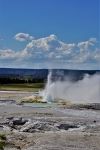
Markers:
point(18, 83)
point(22, 87)
point(19, 80)
point(2, 141)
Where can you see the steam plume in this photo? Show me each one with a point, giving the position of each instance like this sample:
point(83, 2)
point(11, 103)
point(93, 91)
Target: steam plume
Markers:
point(86, 90)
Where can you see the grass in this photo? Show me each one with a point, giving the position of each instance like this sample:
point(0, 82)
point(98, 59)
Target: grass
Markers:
point(2, 145)
point(2, 137)
point(22, 87)
point(2, 141)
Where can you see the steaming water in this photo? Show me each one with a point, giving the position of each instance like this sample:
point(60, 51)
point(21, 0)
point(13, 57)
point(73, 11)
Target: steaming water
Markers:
point(46, 93)
point(86, 90)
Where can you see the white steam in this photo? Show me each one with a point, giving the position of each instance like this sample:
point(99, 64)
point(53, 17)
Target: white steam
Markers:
point(86, 90)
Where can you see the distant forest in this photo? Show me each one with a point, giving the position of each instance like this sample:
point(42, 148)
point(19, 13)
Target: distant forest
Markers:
point(11, 80)
point(14, 76)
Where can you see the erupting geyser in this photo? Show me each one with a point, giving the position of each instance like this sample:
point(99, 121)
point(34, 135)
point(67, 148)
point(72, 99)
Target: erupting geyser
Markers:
point(46, 95)
point(86, 90)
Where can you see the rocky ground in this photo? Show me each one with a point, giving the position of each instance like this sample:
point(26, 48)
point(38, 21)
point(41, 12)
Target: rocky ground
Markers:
point(50, 127)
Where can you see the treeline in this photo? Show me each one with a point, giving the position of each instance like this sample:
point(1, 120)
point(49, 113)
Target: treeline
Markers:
point(19, 80)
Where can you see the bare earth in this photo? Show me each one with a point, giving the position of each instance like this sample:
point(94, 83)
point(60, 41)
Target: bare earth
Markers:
point(85, 137)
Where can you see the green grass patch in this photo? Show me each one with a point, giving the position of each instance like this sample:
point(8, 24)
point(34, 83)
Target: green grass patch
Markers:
point(22, 87)
point(2, 141)
point(2, 137)
point(2, 145)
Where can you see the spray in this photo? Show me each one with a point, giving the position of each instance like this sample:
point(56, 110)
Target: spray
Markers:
point(86, 90)
point(46, 94)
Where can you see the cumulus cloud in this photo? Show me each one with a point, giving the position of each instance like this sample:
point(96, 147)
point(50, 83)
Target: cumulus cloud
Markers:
point(11, 54)
point(85, 45)
point(7, 53)
point(23, 37)
point(51, 50)
point(42, 43)
point(50, 46)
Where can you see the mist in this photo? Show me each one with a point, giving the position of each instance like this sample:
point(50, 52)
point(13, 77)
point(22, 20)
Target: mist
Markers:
point(86, 90)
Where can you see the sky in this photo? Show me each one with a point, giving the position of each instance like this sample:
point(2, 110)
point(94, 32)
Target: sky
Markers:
point(50, 34)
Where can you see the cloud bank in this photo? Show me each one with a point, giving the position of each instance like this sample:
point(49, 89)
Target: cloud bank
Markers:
point(51, 52)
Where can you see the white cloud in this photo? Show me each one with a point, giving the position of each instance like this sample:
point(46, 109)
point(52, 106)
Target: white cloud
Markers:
point(86, 44)
point(42, 43)
point(7, 53)
point(23, 37)
point(50, 44)
point(51, 55)
point(51, 50)
point(65, 47)
point(11, 54)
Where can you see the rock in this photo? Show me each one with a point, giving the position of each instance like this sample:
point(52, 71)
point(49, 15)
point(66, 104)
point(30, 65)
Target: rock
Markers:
point(66, 126)
point(7, 128)
point(6, 122)
point(19, 121)
point(10, 118)
point(38, 127)
point(27, 127)
point(42, 126)
point(12, 147)
point(94, 121)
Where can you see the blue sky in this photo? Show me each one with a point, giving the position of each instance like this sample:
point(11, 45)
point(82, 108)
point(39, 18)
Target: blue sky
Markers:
point(65, 32)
